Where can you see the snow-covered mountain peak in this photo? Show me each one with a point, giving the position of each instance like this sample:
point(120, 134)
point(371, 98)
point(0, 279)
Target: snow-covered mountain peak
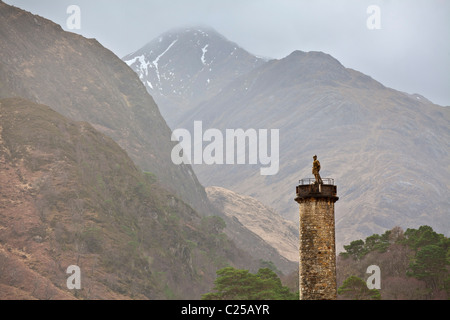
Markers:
point(183, 64)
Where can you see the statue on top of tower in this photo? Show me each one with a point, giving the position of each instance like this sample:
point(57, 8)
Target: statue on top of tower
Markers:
point(316, 169)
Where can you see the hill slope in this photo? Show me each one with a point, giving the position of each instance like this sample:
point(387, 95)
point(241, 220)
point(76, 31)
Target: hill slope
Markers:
point(387, 150)
point(82, 80)
point(257, 229)
point(71, 196)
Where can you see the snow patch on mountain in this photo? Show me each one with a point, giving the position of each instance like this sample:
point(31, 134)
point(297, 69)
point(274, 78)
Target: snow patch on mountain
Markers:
point(182, 65)
point(155, 62)
point(143, 66)
point(204, 50)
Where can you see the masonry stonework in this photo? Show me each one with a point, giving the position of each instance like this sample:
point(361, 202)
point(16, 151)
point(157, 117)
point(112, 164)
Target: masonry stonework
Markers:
point(317, 249)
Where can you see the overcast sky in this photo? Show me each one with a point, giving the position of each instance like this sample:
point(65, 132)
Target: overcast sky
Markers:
point(410, 53)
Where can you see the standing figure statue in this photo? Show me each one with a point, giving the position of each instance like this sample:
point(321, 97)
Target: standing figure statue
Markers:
point(316, 169)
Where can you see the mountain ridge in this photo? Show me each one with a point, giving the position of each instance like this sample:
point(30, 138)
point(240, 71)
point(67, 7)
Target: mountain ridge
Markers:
point(79, 79)
point(261, 220)
point(317, 107)
point(385, 148)
point(185, 65)
point(82, 80)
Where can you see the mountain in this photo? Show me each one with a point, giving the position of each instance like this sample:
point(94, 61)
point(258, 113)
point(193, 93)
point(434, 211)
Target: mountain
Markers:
point(185, 66)
point(256, 228)
point(82, 80)
point(71, 196)
point(387, 150)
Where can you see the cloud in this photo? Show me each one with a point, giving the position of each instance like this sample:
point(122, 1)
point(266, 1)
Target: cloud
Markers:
point(410, 52)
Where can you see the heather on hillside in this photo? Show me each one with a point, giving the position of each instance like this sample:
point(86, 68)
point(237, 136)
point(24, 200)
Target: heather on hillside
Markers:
point(71, 195)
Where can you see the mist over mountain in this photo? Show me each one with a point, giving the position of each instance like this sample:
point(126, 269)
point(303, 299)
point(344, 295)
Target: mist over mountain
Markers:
point(387, 150)
point(86, 174)
point(185, 66)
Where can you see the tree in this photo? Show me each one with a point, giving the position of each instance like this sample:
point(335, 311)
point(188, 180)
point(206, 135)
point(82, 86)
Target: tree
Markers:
point(236, 284)
point(415, 264)
point(429, 265)
point(377, 242)
point(359, 248)
point(268, 286)
point(355, 288)
point(355, 250)
point(423, 236)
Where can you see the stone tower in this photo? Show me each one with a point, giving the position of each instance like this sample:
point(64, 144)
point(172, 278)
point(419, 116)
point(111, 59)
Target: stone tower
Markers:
point(317, 266)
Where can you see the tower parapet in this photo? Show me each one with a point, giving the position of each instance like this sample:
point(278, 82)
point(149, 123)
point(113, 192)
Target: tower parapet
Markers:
point(307, 188)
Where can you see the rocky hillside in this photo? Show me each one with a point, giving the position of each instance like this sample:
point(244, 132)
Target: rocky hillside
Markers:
point(82, 80)
point(257, 229)
point(183, 67)
point(70, 195)
point(387, 150)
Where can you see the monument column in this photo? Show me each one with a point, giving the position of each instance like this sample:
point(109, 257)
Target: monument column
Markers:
point(317, 250)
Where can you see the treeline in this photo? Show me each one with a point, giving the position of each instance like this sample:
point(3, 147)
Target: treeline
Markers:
point(413, 264)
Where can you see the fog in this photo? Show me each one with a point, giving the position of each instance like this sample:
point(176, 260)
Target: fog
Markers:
point(408, 50)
